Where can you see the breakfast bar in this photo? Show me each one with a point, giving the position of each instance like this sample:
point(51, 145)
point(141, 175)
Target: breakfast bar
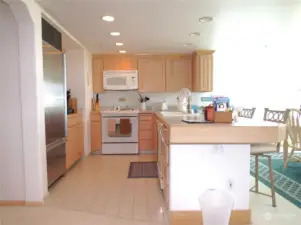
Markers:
point(197, 157)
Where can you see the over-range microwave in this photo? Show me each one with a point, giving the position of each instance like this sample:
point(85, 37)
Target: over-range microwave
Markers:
point(120, 80)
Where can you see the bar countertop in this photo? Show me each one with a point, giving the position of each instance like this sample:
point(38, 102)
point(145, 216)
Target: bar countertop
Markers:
point(242, 132)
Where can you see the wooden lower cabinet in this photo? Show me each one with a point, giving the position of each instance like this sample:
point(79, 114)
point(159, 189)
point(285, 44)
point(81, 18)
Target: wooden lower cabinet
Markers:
point(165, 173)
point(96, 142)
point(96, 132)
point(75, 140)
point(146, 132)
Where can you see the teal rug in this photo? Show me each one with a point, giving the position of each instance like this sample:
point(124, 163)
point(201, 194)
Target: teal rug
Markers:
point(287, 180)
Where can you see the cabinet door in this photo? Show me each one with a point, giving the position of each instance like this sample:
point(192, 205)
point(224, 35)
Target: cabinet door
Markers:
point(203, 72)
point(71, 147)
point(96, 141)
point(151, 75)
point(97, 75)
point(120, 62)
point(178, 74)
point(80, 141)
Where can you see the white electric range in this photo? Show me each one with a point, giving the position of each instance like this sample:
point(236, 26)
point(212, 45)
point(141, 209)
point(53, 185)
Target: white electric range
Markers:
point(114, 141)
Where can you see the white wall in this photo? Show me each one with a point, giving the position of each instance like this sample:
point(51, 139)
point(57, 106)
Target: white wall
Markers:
point(79, 76)
point(257, 59)
point(11, 174)
point(75, 75)
point(23, 174)
point(28, 16)
point(88, 97)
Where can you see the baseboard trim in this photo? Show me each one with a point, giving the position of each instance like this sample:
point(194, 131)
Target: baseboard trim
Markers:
point(19, 203)
point(33, 203)
point(238, 217)
point(11, 203)
point(147, 152)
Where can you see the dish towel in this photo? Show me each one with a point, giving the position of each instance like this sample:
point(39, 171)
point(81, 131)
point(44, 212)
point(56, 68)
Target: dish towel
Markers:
point(125, 126)
point(111, 125)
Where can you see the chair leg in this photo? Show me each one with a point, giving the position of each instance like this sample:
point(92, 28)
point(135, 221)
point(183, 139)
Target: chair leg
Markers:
point(272, 182)
point(256, 172)
point(285, 152)
point(278, 146)
point(289, 157)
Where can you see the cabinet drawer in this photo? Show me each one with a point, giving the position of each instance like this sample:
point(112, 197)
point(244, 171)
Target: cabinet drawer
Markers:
point(145, 117)
point(95, 117)
point(74, 120)
point(145, 144)
point(145, 134)
point(145, 125)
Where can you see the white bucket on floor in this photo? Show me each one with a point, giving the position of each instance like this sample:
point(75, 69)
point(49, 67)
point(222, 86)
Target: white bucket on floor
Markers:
point(216, 206)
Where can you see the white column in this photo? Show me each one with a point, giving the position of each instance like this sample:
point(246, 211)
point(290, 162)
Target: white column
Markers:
point(28, 16)
point(79, 72)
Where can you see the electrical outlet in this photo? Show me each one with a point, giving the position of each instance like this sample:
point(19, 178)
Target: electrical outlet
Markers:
point(218, 149)
point(121, 99)
point(230, 184)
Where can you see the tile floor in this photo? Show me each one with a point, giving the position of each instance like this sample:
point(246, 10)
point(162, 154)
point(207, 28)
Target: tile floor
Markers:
point(97, 191)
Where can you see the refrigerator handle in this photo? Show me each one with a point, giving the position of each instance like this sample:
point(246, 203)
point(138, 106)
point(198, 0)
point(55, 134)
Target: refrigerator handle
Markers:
point(54, 144)
point(65, 94)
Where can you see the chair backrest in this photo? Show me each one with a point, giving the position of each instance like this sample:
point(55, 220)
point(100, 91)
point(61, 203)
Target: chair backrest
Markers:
point(247, 113)
point(277, 116)
point(294, 128)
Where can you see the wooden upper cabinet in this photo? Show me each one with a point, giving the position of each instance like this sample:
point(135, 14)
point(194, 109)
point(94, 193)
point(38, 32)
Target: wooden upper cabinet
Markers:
point(202, 71)
point(120, 62)
point(151, 72)
point(97, 66)
point(178, 74)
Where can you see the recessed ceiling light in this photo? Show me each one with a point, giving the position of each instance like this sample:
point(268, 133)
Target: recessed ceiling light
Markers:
point(119, 44)
point(122, 51)
point(187, 44)
point(108, 18)
point(205, 19)
point(115, 33)
point(195, 34)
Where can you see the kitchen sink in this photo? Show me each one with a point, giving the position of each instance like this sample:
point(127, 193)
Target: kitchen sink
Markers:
point(172, 114)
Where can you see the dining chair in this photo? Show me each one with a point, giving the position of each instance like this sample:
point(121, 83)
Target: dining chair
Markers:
point(247, 113)
point(263, 150)
point(293, 139)
point(276, 116)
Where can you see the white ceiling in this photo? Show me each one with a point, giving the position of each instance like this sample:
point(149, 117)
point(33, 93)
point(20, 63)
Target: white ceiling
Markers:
point(159, 26)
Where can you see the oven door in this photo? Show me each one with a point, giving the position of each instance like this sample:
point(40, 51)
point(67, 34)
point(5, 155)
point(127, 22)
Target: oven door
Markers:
point(115, 135)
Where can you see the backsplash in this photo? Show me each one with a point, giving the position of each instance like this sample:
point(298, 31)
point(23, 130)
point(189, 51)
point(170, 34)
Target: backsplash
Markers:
point(131, 98)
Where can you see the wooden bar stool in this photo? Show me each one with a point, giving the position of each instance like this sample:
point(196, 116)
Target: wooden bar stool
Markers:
point(247, 113)
point(293, 139)
point(263, 150)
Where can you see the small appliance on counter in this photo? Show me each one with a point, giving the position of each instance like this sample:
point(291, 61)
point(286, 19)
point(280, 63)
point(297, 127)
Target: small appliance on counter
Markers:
point(164, 106)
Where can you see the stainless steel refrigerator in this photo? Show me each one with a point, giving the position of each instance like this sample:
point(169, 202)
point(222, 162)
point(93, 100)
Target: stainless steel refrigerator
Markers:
point(55, 111)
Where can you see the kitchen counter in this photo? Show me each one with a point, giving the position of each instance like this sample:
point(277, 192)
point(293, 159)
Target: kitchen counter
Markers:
point(243, 132)
point(210, 155)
